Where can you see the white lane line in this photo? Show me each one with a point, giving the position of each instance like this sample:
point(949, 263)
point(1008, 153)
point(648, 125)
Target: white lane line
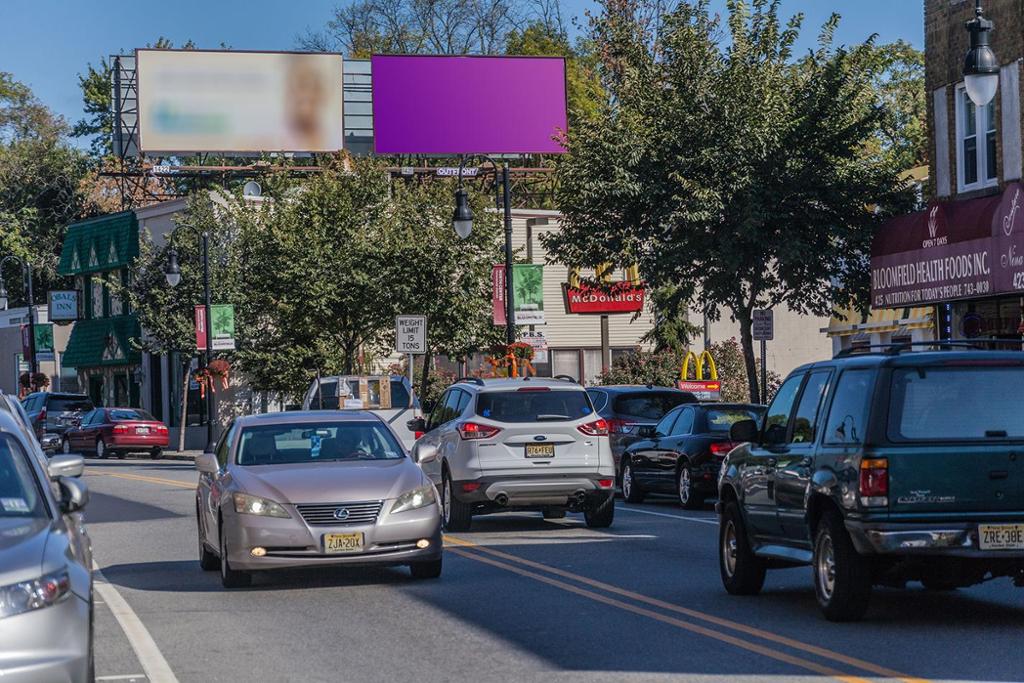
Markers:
point(702, 520)
point(123, 677)
point(152, 660)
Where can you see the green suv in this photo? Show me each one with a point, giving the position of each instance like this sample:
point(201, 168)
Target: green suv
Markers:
point(879, 469)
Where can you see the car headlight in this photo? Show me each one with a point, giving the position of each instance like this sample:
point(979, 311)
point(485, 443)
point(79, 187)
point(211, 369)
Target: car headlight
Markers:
point(26, 596)
point(254, 505)
point(415, 499)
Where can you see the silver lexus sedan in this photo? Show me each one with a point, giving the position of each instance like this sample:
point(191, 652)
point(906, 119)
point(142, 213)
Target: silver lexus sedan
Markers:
point(46, 598)
point(322, 488)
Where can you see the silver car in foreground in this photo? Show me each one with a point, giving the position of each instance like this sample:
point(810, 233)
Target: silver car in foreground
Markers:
point(305, 489)
point(46, 602)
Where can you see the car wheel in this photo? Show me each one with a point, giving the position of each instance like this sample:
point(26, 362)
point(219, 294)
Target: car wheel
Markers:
point(688, 498)
point(456, 515)
point(554, 513)
point(65, 446)
point(230, 578)
point(600, 513)
point(208, 561)
point(426, 570)
point(842, 577)
point(101, 449)
point(631, 491)
point(742, 571)
point(156, 453)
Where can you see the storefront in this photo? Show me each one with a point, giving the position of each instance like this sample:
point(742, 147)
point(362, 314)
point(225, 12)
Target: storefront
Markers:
point(965, 257)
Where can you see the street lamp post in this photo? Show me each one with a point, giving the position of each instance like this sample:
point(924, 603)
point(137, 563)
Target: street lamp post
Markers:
point(27, 272)
point(172, 271)
point(462, 222)
point(981, 67)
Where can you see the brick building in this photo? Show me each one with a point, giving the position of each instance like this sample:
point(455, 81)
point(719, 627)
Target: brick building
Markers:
point(964, 254)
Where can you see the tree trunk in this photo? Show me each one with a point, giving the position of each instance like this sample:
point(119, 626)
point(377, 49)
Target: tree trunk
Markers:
point(747, 342)
point(183, 420)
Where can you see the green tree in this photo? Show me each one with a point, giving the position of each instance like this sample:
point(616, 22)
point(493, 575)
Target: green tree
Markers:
point(724, 168)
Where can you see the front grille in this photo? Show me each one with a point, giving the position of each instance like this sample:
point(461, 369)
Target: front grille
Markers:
point(323, 514)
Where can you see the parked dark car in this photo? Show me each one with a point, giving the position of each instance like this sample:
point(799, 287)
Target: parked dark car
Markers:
point(683, 453)
point(879, 469)
point(629, 407)
point(117, 431)
point(53, 412)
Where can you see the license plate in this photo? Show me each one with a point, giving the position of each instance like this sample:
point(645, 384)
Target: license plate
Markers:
point(142, 430)
point(540, 450)
point(1001, 536)
point(343, 543)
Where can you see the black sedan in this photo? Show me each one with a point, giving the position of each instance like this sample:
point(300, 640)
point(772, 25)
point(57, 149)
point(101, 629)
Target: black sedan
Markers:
point(682, 454)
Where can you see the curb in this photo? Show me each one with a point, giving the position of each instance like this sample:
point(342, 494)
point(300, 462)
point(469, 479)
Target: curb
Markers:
point(177, 456)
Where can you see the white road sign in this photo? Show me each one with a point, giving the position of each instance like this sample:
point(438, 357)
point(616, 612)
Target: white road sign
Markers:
point(411, 334)
point(763, 324)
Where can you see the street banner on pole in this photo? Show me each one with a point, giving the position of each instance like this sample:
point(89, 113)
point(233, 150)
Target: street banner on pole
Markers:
point(200, 315)
point(222, 327)
point(411, 334)
point(498, 313)
point(528, 285)
point(44, 341)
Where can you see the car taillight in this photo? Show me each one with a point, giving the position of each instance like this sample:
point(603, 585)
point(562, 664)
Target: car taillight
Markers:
point(605, 483)
point(874, 481)
point(160, 429)
point(721, 448)
point(473, 430)
point(42, 415)
point(619, 426)
point(595, 428)
point(120, 429)
point(417, 435)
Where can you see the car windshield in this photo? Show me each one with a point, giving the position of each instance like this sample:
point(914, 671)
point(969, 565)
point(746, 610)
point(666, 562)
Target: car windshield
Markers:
point(957, 403)
point(648, 405)
point(20, 496)
point(68, 404)
point(721, 419)
point(533, 405)
point(121, 414)
point(276, 444)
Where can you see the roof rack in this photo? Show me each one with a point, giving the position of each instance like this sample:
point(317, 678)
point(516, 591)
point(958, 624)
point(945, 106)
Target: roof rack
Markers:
point(895, 348)
point(566, 378)
point(475, 380)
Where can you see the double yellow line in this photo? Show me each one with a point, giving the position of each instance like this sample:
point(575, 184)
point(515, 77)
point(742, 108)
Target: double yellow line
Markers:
point(637, 603)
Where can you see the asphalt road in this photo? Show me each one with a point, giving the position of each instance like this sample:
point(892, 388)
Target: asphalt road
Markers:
point(520, 599)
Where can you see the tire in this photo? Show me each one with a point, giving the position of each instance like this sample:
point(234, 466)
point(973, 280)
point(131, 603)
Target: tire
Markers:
point(631, 491)
point(688, 498)
point(456, 515)
point(742, 571)
point(554, 513)
point(101, 449)
point(426, 570)
point(120, 455)
point(156, 453)
point(208, 561)
point(601, 515)
point(842, 577)
point(230, 578)
point(65, 446)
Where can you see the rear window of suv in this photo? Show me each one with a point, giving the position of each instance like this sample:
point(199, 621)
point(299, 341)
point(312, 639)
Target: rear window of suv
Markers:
point(648, 405)
point(68, 404)
point(533, 405)
point(956, 403)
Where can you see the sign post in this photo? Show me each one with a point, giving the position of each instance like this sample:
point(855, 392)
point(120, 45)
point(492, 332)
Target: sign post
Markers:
point(763, 329)
point(411, 339)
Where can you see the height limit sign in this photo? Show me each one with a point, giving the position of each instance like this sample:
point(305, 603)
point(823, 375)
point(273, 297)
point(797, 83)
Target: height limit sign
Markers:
point(411, 334)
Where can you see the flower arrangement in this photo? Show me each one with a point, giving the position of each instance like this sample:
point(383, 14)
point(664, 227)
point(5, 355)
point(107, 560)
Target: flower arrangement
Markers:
point(512, 360)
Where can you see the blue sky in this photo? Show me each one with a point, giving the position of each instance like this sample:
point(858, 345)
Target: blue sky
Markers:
point(46, 43)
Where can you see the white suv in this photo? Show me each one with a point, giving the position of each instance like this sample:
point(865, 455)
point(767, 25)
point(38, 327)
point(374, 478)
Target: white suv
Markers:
point(517, 444)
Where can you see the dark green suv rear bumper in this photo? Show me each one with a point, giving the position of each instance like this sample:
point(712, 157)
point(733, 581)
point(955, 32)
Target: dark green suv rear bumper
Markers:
point(945, 539)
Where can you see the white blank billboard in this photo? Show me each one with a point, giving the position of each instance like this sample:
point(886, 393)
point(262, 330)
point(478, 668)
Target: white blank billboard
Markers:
point(210, 101)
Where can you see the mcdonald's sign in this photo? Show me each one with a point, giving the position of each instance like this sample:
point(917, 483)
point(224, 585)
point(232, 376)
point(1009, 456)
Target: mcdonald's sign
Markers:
point(627, 296)
point(704, 389)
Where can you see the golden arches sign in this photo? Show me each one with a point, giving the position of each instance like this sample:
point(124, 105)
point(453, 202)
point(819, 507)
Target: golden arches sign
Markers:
point(704, 358)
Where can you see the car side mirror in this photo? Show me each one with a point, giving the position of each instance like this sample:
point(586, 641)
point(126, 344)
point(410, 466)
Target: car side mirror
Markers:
point(74, 494)
point(417, 424)
point(744, 431)
point(647, 432)
point(425, 453)
point(65, 466)
point(207, 463)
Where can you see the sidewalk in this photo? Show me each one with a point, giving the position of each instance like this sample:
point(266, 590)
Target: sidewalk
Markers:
point(180, 455)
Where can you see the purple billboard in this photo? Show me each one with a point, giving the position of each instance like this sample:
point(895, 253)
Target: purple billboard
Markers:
point(953, 250)
point(444, 105)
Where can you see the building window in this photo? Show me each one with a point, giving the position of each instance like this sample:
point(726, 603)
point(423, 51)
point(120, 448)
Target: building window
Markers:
point(976, 143)
point(97, 297)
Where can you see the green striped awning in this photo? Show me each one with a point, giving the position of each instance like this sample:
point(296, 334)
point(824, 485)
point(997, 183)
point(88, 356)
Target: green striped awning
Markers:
point(100, 244)
point(102, 342)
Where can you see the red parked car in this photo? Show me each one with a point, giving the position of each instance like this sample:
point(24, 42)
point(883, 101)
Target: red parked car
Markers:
point(116, 431)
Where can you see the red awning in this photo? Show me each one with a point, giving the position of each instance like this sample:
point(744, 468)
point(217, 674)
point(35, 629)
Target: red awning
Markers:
point(957, 221)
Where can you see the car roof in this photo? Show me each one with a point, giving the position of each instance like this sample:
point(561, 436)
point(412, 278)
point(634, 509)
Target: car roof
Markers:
point(506, 383)
point(912, 358)
point(307, 417)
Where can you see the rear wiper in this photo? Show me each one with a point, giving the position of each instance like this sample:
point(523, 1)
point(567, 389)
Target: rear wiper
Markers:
point(545, 418)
